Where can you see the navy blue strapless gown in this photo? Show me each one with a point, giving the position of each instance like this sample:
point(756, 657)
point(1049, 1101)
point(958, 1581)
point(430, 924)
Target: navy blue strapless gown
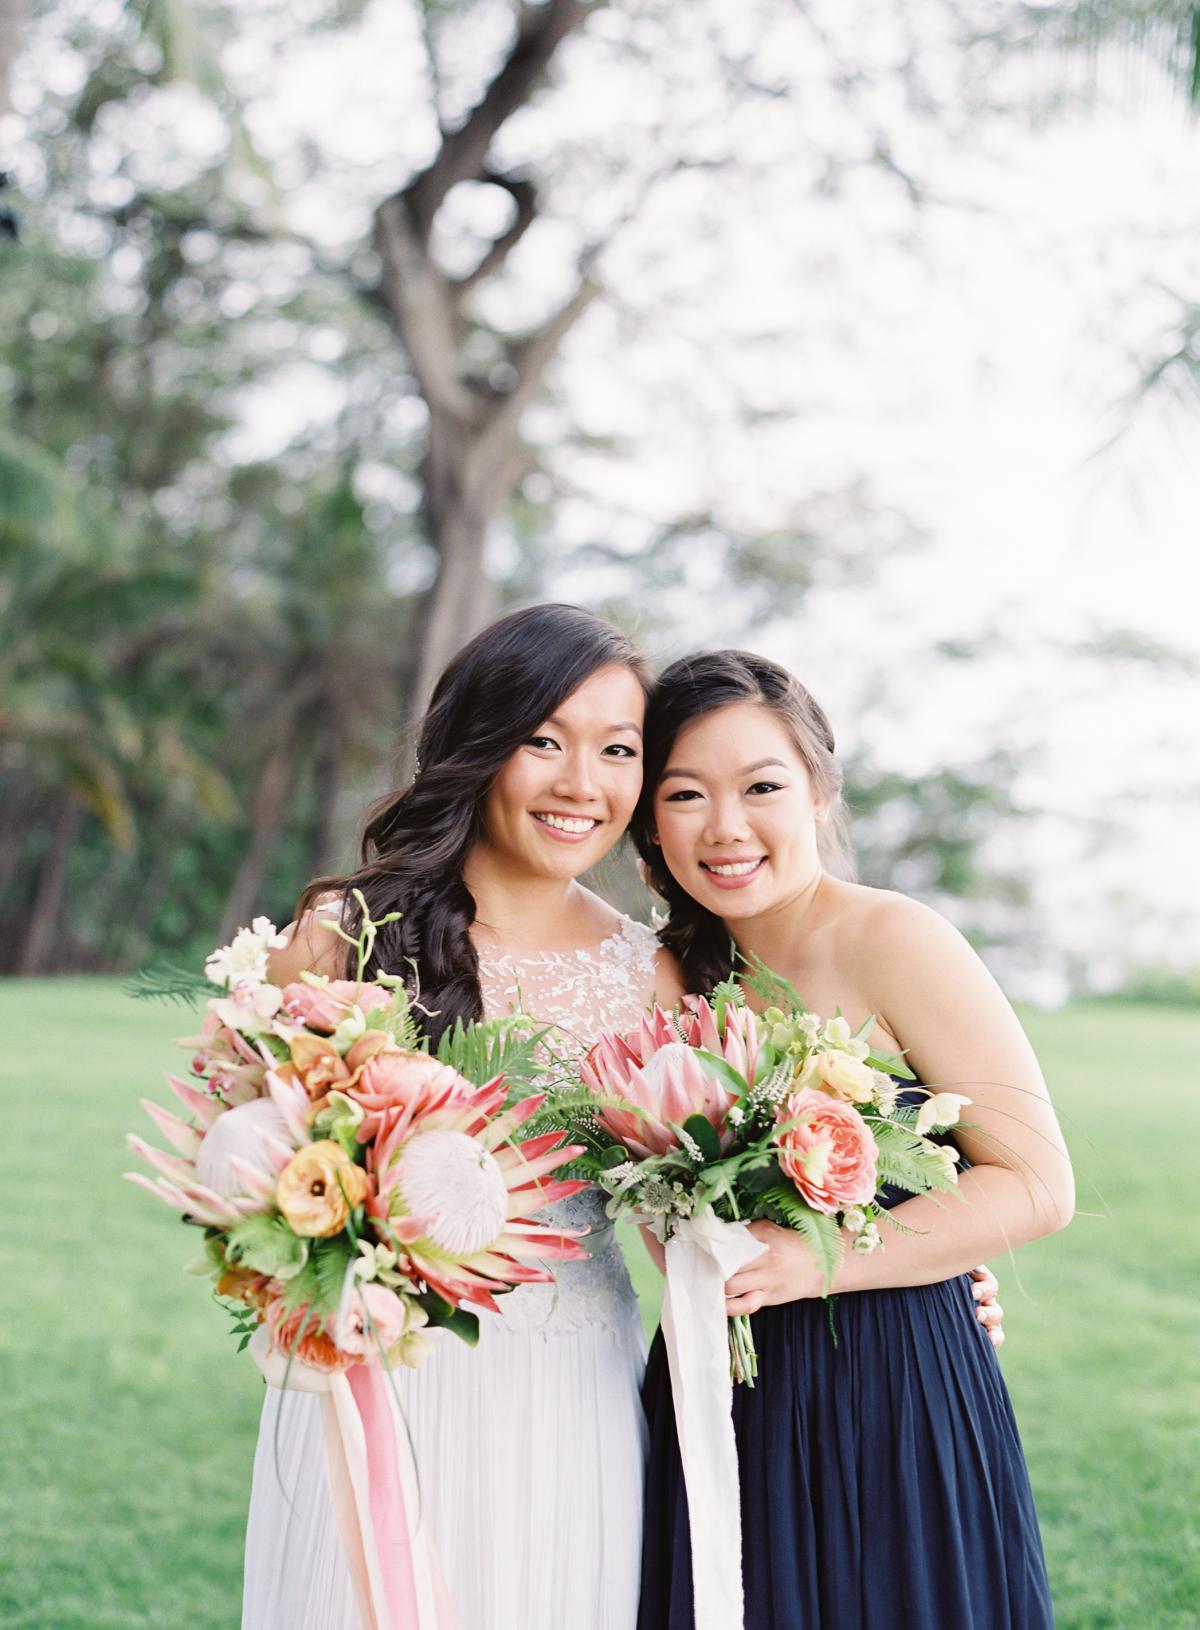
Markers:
point(883, 1483)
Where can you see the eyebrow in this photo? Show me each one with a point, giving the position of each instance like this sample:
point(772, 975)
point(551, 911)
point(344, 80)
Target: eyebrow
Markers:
point(628, 725)
point(694, 775)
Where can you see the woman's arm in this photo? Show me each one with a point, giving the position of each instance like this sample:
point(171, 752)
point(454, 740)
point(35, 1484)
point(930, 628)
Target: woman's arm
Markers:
point(959, 1034)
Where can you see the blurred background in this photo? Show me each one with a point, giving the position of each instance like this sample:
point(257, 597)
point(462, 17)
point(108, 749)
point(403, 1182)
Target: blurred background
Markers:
point(865, 333)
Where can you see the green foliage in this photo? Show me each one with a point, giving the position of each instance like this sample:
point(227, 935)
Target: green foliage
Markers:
point(783, 1205)
point(906, 1161)
point(774, 990)
point(506, 1047)
point(460, 1320)
point(704, 1135)
point(169, 981)
point(265, 1243)
point(319, 1282)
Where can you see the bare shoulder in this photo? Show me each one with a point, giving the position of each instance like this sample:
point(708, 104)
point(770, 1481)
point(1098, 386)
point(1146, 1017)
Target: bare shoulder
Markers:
point(918, 970)
point(312, 946)
point(885, 922)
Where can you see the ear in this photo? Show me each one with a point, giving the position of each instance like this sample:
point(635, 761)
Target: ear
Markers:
point(822, 814)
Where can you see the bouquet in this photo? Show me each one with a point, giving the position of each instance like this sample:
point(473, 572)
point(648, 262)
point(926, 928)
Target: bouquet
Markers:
point(353, 1189)
point(716, 1110)
point(355, 1192)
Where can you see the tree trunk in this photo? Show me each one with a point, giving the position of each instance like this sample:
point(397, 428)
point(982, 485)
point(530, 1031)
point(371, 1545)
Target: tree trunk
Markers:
point(326, 853)
point(460, 603)
point(275, 784)
point(38, 952)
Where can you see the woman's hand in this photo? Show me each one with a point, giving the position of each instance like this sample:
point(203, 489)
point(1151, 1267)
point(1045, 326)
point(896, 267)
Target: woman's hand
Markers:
point(785, 1272)
point(987, 1309)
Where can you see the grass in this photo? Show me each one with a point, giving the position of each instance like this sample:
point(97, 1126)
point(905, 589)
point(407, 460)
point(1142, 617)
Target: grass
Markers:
point(130, 1422)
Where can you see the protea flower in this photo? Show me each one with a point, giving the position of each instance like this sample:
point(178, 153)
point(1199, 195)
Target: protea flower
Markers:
point(225, 1168)
point(452, 1194)
point(654, 1069)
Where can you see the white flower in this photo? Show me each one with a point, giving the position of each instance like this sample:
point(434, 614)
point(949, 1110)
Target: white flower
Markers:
point(855, 1220)
point(940, 1109)
point(350, 1029)
point(951, 1158)
point(736, 1115)
point(869, 1240)
point(244, 959)
point(837, 1032)
point(886, 1093)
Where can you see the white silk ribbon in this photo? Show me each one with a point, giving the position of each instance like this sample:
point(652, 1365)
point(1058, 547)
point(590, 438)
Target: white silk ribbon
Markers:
point(701, 1254)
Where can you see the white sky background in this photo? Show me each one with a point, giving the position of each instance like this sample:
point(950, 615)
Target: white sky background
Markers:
point(972, 359)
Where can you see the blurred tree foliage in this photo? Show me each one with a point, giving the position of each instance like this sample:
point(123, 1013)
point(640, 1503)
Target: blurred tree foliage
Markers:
point(211, 651)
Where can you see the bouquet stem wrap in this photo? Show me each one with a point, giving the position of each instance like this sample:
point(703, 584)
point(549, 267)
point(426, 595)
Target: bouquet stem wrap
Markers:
point(701, 1254)
point(376, 1499)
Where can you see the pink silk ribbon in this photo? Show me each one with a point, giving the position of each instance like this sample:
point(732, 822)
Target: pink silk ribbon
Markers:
point(376, 1501)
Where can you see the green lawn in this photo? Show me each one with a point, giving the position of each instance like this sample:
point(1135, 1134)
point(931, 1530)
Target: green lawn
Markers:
point(130, 1423)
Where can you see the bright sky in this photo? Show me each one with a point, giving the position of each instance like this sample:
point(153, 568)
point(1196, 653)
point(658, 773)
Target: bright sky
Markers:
point(975, 361)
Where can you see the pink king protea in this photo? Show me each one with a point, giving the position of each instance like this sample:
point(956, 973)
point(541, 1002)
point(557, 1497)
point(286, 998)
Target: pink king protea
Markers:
point(654, 1069)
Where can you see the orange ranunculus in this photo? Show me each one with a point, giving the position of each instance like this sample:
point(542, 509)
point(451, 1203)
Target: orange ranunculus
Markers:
point(318, 1188)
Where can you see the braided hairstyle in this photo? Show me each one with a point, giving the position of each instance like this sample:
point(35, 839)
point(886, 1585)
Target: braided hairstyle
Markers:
point(686, 691)
point(489, 700)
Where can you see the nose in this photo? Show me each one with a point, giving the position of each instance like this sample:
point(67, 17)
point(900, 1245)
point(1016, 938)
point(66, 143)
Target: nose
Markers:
point(576, 779)
point(726, 822)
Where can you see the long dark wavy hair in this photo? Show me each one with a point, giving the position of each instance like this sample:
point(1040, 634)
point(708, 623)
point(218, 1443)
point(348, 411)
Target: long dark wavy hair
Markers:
point(488, 702)
point(685, 692)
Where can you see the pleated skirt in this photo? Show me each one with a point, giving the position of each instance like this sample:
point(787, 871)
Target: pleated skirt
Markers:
point(883, 1485)
point(530, 1452)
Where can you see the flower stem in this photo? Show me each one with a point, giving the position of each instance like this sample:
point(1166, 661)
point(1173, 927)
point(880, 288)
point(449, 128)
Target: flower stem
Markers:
point(743, 1358)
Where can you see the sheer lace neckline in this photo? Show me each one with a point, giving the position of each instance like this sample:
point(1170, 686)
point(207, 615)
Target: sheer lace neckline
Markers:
point(489, 957)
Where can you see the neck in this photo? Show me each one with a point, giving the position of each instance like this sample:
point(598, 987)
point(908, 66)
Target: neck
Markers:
point(517, 909)
point(779, 934)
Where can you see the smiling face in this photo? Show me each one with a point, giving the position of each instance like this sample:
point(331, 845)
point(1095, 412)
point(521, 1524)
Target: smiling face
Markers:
point(567, 794)
point(735, 812)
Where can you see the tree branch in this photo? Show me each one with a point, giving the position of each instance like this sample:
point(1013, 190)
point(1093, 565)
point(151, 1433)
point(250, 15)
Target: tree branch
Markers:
point(523, 193)
point(463, 153)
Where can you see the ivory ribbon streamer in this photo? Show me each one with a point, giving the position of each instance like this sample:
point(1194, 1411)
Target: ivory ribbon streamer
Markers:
point(373, 1487)
point(701, 1254)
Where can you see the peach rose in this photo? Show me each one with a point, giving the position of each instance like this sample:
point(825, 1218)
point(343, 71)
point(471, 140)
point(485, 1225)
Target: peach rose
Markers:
point(315, 1347)
point(318, 1188)
point(830, 1155)
point(394, 1088)
point(839, 1074)
point(323, 1007)
point(372, 1318)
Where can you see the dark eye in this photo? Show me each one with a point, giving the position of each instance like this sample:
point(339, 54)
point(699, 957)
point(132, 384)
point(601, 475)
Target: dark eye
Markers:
point(620, 750)
point(541, 742)
point(681, 797)
point(764, 786)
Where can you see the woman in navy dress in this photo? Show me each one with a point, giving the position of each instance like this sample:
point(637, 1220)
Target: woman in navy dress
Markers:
point(883, 1485)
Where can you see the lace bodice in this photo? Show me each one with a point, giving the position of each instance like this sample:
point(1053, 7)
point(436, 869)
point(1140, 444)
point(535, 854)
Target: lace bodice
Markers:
point(581, 993)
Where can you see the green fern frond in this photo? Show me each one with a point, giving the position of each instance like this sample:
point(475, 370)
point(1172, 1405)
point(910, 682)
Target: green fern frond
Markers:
point(492, 1047)
point(825, 1239)
point(775, 990)
point(168, 982)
